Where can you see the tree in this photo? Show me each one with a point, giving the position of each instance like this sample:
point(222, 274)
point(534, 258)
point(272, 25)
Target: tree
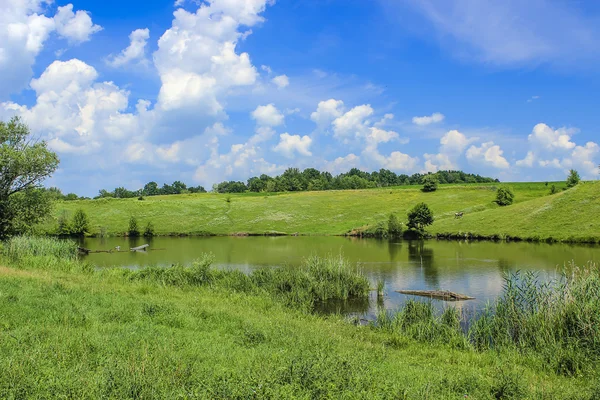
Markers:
point(80, 225)
point(430, 183)
point(149, 231)
point(151, 189)
point(504, 197)
point(394, 226)
point(24, 164)
point(134, 230)
point(573, 179)
point(420, 217)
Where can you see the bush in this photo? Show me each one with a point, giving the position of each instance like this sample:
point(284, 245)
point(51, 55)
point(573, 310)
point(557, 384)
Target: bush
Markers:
point(394, 226)
point(573, 179)
point(420, 217)
point(149, 231)
point(64, 227)
point(80, 225)
point(504, 197)
point(134, 230)
point(430, 183)
point(553, 189)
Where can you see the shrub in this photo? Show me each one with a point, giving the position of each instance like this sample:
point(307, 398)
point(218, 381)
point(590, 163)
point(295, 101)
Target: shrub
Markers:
point(504, 197)
point(573, 179)
point(134, 230)
point(394, 226)
point(553, 189)
point(430, 183)
point(149, 231)
point(64, 227)
point(420, 217)
point(80, 225)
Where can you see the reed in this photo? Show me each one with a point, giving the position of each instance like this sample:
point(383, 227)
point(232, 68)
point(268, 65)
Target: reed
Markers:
point(19, 247)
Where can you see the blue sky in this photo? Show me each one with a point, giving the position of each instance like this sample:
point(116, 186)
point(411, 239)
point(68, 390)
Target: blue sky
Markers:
point(128, 92)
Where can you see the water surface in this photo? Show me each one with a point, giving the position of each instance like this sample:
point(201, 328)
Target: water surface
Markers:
point(474, 268)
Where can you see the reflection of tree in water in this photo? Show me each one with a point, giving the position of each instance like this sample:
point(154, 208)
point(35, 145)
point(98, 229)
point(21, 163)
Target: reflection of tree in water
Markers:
point(394, 249)
point(505, 265)
point(423, 256)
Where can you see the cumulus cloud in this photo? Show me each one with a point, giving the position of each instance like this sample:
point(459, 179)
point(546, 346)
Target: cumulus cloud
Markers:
point(550, 139)
point(489, 154)
point(428, 120)
point(327, 111)
point(24, 29)
point(289, 145)
point(76, 113)
point(282, 81)
point(76, 27)
point(197, 59)
point(452, 146)
point(136, 51)
point(353, 123)
point(268, 115)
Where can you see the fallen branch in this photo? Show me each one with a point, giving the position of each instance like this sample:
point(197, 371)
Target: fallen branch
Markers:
point(437, 294)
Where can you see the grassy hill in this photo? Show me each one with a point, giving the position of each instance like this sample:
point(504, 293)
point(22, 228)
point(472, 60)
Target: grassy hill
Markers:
point(569, 215)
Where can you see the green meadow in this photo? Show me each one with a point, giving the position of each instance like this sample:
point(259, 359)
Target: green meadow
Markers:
point(536, 214)
point(68, 330)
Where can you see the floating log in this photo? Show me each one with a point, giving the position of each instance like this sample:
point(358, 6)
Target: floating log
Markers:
point(83, 250)
point(437, 294)
point(140, 248)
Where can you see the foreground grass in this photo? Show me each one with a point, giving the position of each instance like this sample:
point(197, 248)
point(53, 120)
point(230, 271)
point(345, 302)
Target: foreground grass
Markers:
point(567, 215)
point(98, 335)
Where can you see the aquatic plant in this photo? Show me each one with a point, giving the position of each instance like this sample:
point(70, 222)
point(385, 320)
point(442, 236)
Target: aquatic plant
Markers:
point(19, 247)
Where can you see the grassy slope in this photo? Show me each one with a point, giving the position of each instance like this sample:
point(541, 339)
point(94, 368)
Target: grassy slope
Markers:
point(568, 214)
point(95, 336)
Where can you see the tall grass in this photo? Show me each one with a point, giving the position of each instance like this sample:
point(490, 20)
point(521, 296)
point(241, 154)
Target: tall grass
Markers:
point(317, 280)
point(19, 247)
point(559, 320)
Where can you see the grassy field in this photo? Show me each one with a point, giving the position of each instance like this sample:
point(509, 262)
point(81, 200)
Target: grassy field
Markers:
point(568, 215)
point(124, 335)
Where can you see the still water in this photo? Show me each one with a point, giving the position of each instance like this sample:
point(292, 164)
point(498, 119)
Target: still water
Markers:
point(475, 269)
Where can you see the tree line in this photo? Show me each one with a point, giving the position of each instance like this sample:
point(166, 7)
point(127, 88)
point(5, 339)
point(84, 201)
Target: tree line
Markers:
point(151, 189)
point(310, 179)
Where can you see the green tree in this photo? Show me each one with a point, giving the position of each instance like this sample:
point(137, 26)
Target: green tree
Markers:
point(134, 230)
point(80, 225)
point(430, 183)
point(394, 226)
point(149, 231)
point(573, 179)
point(24, 164)
point(420, 217)
point(553, 189)
point(504, 196)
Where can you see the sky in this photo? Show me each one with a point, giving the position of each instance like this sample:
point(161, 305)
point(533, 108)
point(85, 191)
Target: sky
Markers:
point(135, 91)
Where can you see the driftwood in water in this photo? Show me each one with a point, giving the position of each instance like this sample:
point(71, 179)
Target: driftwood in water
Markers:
point(140, 248)
point(437, 294)
point(83, 250)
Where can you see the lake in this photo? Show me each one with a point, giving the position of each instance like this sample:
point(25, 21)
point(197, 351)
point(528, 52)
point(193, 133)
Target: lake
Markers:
point(475, 268)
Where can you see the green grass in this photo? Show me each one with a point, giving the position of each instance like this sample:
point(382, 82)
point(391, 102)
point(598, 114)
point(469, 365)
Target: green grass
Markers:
point(103, 334)
point(568, 215)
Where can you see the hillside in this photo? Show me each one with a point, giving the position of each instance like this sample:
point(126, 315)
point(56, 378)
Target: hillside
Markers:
point(569, 214)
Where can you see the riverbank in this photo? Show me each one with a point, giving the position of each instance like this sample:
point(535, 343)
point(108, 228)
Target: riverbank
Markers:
point(71, 331)
point(568, 216)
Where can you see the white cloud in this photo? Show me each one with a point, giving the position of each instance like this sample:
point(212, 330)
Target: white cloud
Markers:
point(76, 27)
point(343, 164)
point(513, 32)
point(488, 154)
point(197, 59)
point(452, 146)
point(428, 120)
point(282, 81)
point(77, 114)
point(24, 29)
point(179, 3)
point(327, 111)
point(533, 98)
point(290, 144)
point(353, 123)
point(377, 135)
point(268, 115)
point(136, 50)
point(549, 139)
point(527, 161)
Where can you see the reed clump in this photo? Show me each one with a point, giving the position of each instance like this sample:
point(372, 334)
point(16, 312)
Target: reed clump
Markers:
point(318, 279)
point(19, 247)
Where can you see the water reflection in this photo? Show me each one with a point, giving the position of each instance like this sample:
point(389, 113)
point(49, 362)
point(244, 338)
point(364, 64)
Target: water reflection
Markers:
point(474, 269)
